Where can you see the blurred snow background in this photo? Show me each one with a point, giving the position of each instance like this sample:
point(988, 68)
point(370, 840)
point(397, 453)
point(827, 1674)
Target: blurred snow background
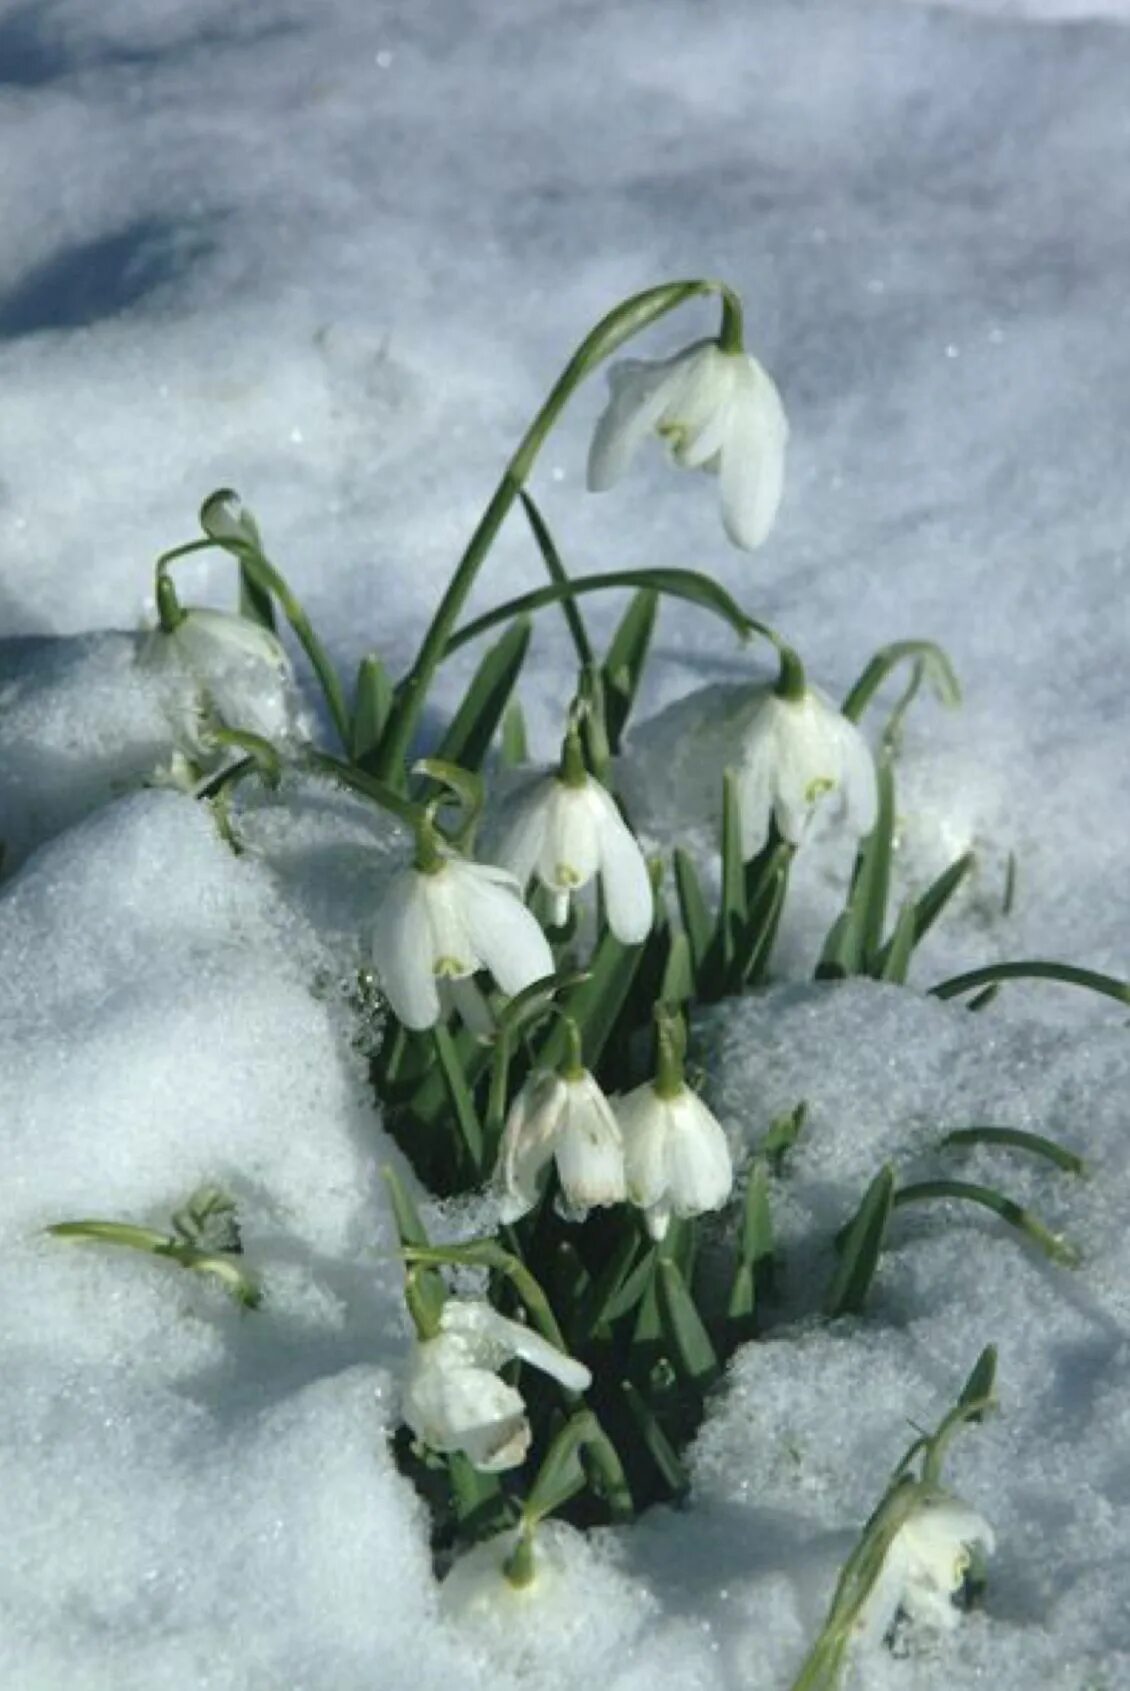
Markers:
point(333, 256)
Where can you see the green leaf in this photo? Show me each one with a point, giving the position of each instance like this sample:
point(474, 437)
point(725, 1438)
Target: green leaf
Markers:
point(1067, 973)
point(512, 747)
point(840, 954)
point(689, 585)
point(683, 1325)
point(1054, 1245)
point(863, 1243)
point(472, 728)
point(933, 901)
point(677, 986)
point(981, 1384)
point(561, 1475)
point(372, 702)
point(692, 908)
point(595, 1004)
point(410, 1231)
point(783, 1134)
point(481, 1508)
point(255, 602)
point(658, 1445)
point(1021, 1140)
point(756, 1244)
point(893, 962)
point(605, 1299)
point(724, 971)
point(764, 907)
point(623, 667)
point(628, 1293)
point(873, 873)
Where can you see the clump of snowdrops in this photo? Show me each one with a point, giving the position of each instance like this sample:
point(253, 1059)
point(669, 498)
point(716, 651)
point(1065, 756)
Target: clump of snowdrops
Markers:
point(536, 1001)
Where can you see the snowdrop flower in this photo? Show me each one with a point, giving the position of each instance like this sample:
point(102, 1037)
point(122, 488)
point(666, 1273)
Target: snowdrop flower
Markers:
point(925, 1567)
point(563, 1118)
point(444, 922)
point(566, 829)
point(453, 1398)
point(719, 411)
point(676, 1156)
point(794, 750)
point(237, 673)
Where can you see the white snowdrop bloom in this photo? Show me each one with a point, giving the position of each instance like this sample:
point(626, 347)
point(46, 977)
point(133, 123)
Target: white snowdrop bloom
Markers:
point(238, 673)
point(793, 752)
point(566, 832)
point(566, 1119)
point(925, 1567)
point(676, 1156)
point(447, 923)
point(452, 1397)
point(718, 411)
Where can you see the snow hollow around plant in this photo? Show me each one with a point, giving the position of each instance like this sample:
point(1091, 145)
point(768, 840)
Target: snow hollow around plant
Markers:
point(334, 256)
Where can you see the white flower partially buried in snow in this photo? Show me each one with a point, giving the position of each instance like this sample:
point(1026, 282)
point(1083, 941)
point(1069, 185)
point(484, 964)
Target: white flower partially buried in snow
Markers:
point(718, 411)
point(562, 1118)
point(925, 1568)
point(568, 830)
point(444, 924)
point(229, 672)
point(793, 753)
point(453, 1398)
point(676, 1156)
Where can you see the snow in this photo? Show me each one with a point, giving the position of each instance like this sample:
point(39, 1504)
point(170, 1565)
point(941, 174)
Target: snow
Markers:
point(334, 257)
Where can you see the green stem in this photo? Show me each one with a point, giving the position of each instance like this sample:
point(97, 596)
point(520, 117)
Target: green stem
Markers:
point(368, 785)
point(1107, 985)
point(933, 658)
point(626, 320)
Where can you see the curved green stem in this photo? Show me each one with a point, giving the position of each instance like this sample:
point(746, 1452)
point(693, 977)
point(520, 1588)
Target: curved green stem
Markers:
point(935, 664)
point(620, 324)
point(415, 815)
point(1068, 973)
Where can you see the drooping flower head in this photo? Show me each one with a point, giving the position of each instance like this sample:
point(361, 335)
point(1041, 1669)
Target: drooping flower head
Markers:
point(925, 1567)
point(676, 1157)
point(718, 410)
point(563, 1119)
point(452, 1397)
point(444, 922)
point(566, 829)
point(796, 749)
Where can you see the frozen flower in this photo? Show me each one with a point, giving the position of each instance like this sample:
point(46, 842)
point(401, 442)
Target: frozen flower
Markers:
point(718, 411)
point(447, 922)
point(925, 1567)
point(564, 1118)
point(676, 1157)
point(793, 752)
point(453, 1398)
point(566, 831)
point(237, 675)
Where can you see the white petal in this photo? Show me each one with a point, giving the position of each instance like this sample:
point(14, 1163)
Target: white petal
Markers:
point(452, 949)
point(528, 1142)
point(209, 637)
point(570, 852)
point(861, 798)
point(520, 842)
point(640, 393)
point(642, 1116)
point(590, 1156)
point(628, 898)
point(402, 952)
point(499, 1340)
point(700, 419)
point(700, 1172)
point(505, 935)
point(452, 1404)
point(753, 458)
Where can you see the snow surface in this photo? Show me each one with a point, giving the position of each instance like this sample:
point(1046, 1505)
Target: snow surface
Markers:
point(333, 256)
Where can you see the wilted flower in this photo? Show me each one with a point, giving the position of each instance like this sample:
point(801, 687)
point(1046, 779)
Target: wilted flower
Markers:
point(925, 1567)
point(447, 922)
point(718, 410)
point(793, 752)
point(453, 1398)
point(564, 1118)
point(676, 1156)
point(566, 831)
point(237, 675)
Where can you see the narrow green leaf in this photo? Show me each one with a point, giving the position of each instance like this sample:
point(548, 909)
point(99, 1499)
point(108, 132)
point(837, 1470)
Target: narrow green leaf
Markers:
point(254, 601)
point(472, 728)
point(840, 954)
point(873, 875)
point(1066, 973)
point(372, 702)
point(933, 901)
point(1009, 898)
point(629, 1292)
point(692, 908)
point(623, 666)
point(689, 585)
point(981, 1384)
point(411, 1233)
point(512, 746)
point(481, 1509)
point(678, 974)
point(1054, 1245)
point(659, 1446)
point(764, 916)
point(604, 1300)
point(756, 1244)
point(863, 1243)
point(783, 1134)
point(596, 1003)
point(732, 908)
point(1021, 1140)
point(561, 1475)
point(893, 961)
point(683, 1325)
point(459, 1094)
point(557, 573)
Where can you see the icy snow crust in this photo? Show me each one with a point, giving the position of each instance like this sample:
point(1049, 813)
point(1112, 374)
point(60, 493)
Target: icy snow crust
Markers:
point(333, 256)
